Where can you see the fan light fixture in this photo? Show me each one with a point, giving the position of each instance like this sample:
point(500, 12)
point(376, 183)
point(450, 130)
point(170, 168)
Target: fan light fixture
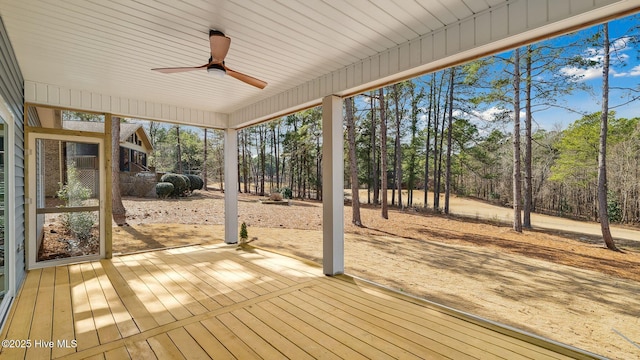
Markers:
point(219, 44)
point(216, 70)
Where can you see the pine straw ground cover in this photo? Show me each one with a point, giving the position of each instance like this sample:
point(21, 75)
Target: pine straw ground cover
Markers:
point(561, 285)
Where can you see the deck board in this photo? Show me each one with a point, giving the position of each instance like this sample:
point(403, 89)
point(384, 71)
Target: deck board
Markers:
point(63, 316)
point(217, 301)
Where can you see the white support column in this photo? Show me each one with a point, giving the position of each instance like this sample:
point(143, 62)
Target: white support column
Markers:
point(332, 186)
point(230, 186)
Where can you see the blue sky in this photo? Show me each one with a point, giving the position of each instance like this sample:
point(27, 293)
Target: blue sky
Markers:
point(624, 73)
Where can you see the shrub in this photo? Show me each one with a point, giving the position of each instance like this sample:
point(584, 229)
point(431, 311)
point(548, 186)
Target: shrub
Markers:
point(613, 208)
point(196, 182)
point(188, 182)
point(80, 224)
point(164, 189)
point(180, 185)
point(74, 193)
point(276, 196)
point(286, 193)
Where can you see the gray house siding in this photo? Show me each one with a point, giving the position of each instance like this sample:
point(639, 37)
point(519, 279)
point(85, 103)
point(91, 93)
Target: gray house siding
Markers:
point(12, 91)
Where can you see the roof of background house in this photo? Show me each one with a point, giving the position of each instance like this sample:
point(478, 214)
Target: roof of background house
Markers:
point(126, 129)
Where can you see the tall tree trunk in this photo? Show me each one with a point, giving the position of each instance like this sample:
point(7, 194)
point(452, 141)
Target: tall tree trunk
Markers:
point(398, 151)
point(245, 166)
point(118, 211)
point(263, 156)
point(276, 146)
point(528, 176)
point(414, 142)
point(426, 146)
point(353, 163)
point(178, 150)
point(517, 181)
point(383, 154)
point(602, 153)
point(375, 175)
point(447, 183)
point(238, 138)
point(204, 162)
point(437, 150)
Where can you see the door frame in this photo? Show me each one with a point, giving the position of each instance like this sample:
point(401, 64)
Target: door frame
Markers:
point(32, 231)
point(10, 241)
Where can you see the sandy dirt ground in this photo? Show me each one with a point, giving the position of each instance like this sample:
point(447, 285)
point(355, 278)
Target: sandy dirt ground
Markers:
point(560, 284)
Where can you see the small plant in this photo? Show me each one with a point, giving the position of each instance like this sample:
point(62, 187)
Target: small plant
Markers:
point(74, 193)
point(244, 235)
point(164, 189)
point(180, 186)
point(276, 196)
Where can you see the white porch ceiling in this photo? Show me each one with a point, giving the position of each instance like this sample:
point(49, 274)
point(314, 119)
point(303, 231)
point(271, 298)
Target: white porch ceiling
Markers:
point(97, 54)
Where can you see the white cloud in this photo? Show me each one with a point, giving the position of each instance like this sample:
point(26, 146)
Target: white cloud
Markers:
point(635, 71)
point(581, 74)
point(617, 49)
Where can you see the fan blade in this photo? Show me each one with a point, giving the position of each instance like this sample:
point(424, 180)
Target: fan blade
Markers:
point(179, 69)
point(219, 46)
point(246, 78)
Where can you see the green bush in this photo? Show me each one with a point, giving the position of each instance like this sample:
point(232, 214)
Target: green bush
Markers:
point(196, 182)
point(613, 208)
point(180, 186)
point(74, 193)
point(286, 193)
point(164, 189)
point(188, 182)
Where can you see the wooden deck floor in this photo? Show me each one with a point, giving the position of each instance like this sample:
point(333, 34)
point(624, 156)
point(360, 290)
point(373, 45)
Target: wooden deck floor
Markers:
point(215, 301)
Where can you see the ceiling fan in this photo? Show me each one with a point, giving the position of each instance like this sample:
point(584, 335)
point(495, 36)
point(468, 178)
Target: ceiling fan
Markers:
point(219, 47)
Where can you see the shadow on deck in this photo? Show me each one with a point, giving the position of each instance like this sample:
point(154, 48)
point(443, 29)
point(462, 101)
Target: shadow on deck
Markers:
point(219, 301)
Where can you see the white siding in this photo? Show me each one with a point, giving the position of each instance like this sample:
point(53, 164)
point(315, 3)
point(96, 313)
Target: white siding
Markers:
point(53, 95)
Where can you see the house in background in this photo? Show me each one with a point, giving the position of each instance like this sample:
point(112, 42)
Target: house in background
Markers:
point(135, 145)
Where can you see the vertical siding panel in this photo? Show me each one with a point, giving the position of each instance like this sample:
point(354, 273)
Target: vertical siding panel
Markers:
point(415, 52)
point(179, 114)
point(65, 97)
point(578, 6)
point(41, 93)
point(366, 70)
point(85, 100)
point(483, 29)
point(383, 64)
point(467, 34)
point(518, 16)
point(404, 57)
point(30, 91)
point(394, 61)
point(76, 98)
point(499, 27)
point(427, 48)
point(106, 103)
point(559, 9)
point(453, 39)
point(53, 94)
point(537, 13)
point(96, 102)
point(375, 67)
point(439, 44)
